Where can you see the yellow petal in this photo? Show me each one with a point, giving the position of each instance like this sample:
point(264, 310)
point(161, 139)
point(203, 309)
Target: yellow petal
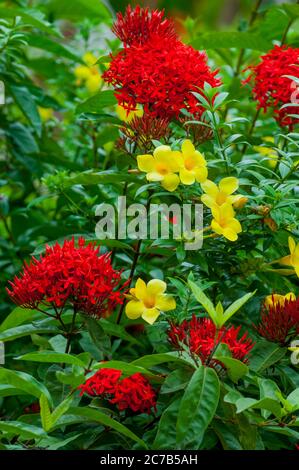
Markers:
point(155, 287)
point(201, 174)
point(175, 161)
point(297, 270)
point(230, 234)
point(229, 185)
point(188, 148)
point(154, 176)
point(286, 260)
point(134, 309)
point(187, 177)
point(150, 315)
point(146, 163)
point(170, 182)
point(216, 227)
point(227, 211)
point(235, 225)
point(140, 289)
point(161, 152)
point(210, 188)
point(290, 296)
point(165, 302)
point(292, 244)
point(208, 201)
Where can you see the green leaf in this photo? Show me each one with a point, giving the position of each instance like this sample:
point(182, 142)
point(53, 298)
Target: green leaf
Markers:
point(235, 369)
point(112, 329)
point(99, 417)
point(98, 335)
point(265, 404)
point(25, 431)
point(127, 369)
point(30, 17)
point(97, 103)
point(156, 359)
point(264, 354)
point(18, 316)
point(51, 356)
point(47, 44)
point(235, 39)
point(197, 408)
point(176, 380)
point(235, 306)
point(45, 413)
point(25, 101)
point(204, 301)
point(25, 330)
point(61, 409)
point(91, 177)
point(166, 434)
point(78, 9)
point(24, 382)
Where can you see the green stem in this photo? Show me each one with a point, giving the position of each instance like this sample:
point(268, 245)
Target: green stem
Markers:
point(71, 332)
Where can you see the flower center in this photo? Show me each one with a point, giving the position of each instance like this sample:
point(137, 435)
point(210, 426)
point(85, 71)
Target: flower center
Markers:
point(221, 198)
point(149, 302)
point(162, 169)
point(189, 164)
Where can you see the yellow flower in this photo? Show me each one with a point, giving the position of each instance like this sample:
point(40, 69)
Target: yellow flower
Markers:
point(240, 201)
point(268, 152)
point(89, 59)
point(224, 222)
point(45, 113)
point(161, 166)
point(194, 166)
point(82, 72)
point(221, 194)
point(277, 299)
point(148, 300)
point(93, 82)
point(127, 117)
point(293, 258)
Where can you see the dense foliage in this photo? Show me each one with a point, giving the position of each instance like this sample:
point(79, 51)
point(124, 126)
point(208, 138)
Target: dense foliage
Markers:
point(121, 343)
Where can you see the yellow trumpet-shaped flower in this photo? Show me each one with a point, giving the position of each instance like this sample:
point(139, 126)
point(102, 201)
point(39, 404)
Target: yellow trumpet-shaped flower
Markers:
point(93, 82)
point(293, 258)
point(193, 165)
point(127, 117)
point(89, 73)
point(268, 152)
point(161, 166)
point(224, 222)
point(89, 59)
point(221, 194)
point(147, 300)
point(277, 299)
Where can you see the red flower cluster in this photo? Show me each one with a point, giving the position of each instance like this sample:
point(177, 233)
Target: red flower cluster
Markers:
point(201, 337)
point(157, 71)
point(280, 321)
point(134, 392)
point(69, 275)
point(139, 25)
point(271, 87)
point(143, 130)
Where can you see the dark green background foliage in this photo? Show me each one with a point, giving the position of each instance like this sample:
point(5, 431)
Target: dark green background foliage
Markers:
point(55, 170)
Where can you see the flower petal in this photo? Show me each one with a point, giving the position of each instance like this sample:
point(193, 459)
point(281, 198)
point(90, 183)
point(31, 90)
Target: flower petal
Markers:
point(140, 289)
point(155, 287)
point(187, 177)
point(170, 182)
point(216, 227)
point(229, 185)
point(165, 302)
point(188, 148)
point(161, 152)
point(154, 176)
point(208, 201)
point(201, 174)
point(134, 309)
point(210, 188)
point(150, 315)
point(146, 163)
point(230, 234)
point(235, 225)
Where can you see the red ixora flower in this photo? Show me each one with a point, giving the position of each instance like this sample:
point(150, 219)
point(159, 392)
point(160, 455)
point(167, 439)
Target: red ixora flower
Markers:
point(69, 275)
point(201, 337)
point(138, 25)
point(279, 321)
point(133, 392)
point(271, 87)
point(159, 73)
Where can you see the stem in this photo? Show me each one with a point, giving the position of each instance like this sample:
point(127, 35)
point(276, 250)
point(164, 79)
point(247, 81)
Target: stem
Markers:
point(71, 332)
point(134, 264)
point(219, 143)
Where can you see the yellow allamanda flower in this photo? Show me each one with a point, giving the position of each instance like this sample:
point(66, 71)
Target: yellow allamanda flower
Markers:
point(217, 195)
point(293, 258)
point(193, 165)
point(277, 299)
point(224, 223)
point(147, 300)
point(88, 73)
point(127, 117)
point(268, 152)
point(161, 166)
